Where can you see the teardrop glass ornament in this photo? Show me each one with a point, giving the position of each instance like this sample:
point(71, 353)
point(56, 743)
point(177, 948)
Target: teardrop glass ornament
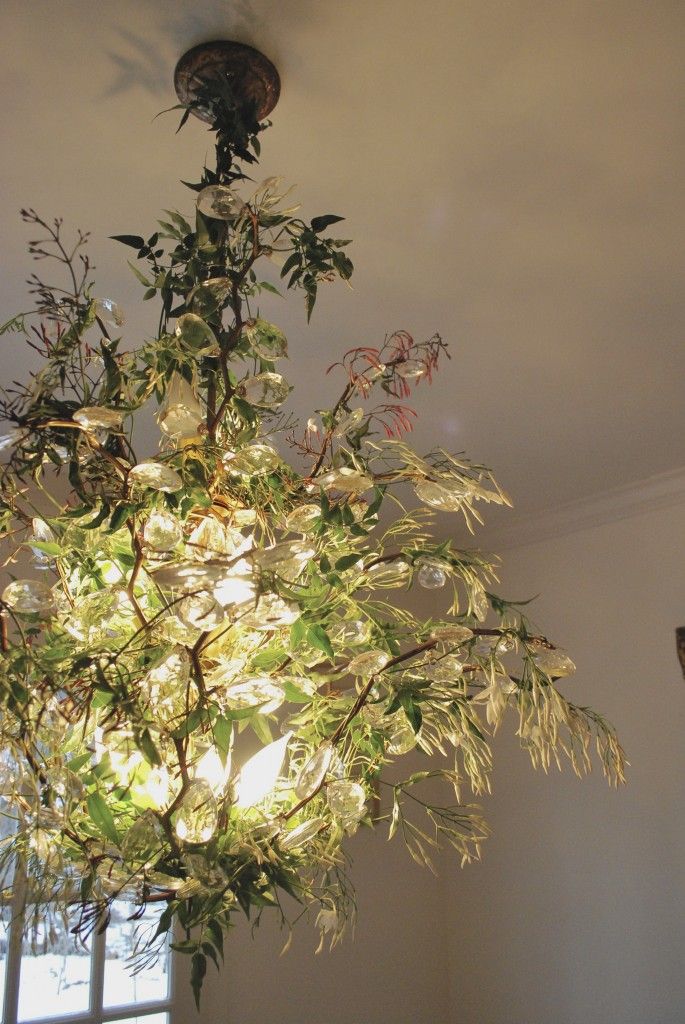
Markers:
point(313, 772)
point(198, 813)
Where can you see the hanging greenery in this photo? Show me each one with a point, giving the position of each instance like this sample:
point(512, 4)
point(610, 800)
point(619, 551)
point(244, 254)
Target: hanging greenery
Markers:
point(209, 665)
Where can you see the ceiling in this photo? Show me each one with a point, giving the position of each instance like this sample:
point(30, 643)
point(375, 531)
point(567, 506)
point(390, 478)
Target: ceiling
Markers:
point(511, 173)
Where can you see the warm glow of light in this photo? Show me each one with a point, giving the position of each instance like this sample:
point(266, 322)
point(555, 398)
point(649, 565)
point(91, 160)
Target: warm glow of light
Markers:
point(211, 770)
point(258, 776)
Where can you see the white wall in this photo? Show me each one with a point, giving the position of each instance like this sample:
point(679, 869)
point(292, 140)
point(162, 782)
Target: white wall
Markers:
point(577, 913)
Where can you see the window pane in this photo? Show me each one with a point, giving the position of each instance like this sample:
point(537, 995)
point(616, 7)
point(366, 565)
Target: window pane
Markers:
point(149, 985)
point(152, 1018)
point(55, 970)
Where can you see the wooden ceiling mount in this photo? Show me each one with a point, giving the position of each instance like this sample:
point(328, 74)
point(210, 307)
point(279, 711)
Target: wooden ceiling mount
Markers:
point(253, 77)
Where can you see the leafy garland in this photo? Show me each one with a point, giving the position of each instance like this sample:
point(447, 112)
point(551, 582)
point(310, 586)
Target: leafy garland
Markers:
point(214, 596)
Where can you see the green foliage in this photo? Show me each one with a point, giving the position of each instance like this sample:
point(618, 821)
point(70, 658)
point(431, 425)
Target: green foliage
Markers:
point(214, 594)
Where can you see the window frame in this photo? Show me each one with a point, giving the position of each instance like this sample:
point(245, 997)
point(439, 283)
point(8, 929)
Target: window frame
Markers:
point(96, 1013)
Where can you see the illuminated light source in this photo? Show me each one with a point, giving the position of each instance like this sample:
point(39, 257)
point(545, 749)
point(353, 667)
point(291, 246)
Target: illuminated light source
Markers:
point(259, 775)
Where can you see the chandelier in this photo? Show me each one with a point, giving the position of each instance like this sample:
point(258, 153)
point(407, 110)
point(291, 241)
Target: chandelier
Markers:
point(209, 664)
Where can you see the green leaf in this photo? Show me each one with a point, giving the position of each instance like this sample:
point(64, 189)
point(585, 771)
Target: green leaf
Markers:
point(319, 223)
point(135, 241)
point(411, 710)
point(298, 631)
point(347, 561)
point(148, 749)
point(223, 732)
point(318, 638)
point(261, 728)
point(102, 817)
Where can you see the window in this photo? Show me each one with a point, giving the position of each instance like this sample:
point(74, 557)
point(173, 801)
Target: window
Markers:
point(50, 976)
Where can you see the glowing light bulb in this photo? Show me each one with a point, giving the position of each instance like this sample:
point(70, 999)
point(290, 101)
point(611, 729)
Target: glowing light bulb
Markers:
point(211, 770)
point(258, 775)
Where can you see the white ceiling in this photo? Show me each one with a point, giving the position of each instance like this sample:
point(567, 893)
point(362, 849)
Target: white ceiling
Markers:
point(511, 173)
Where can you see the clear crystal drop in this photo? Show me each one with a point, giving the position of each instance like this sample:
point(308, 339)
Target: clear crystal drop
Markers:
point(554, 662)
point(162, 531)
point(438, 496)
point(188, 576)
point(42, 533)
point(211, 538)
point(347, 801)
point(200, 611)
point(271, 612)
point(452, 633)
point(300, 835)
point(265, 390)
point(313, 772)
point(402, 737)
point(220, 202)
point(109, 311)
point(29, 597)
point(198, 814)
point(266, 340)
point(351, 632)
point(275, 557)
point(303, 519)
point(411, 369)
point(431, 575)
point(389, 574)
point(93, 417)
point(173, 669)
point(143, 840)
point(443, 670)
point(10, 438)
point(346, 479)
point(348, 423)
point(208, 297)
point(368, 663)
point(181, 415)
point(156, 476)
point(253, 460)
point(93, 616)
point(196, 335)
point(259, 691)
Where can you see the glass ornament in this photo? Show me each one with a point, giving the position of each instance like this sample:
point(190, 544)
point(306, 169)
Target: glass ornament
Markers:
point(270, 612)
point(45, 535)
point(348, 423)
point(347, 479)
point(200, 611)
point(389, 574)
point(208, 297)
point(109, 311)
point(156, 476)
point(347, 801)
point(431, 575)
point(401, 737)
point(446, 669)
point(93, 616)
point(30, 597)
point(554, 662)
point(195, 334)
point(212, 770)
point(410, 369)
point(301, 834)
point(220, 202)
point(95, 417)
point(189, 576)
point(181, 415)
point(253, 460)
point(10, 438)
point(162, 531)
point(143, 841)
point(236, 588)
point(198, 813)
point(287, 555)
point(266, 340)
point(258, 692)
point(349, 632)
point(313, 772)
point(452, 633)
point(368, 663)
point(259, 775)
point(448, 497)
point(303, 519)
point(265, 390)
point(212, 538)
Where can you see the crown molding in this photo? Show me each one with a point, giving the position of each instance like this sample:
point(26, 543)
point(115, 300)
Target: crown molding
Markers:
point(655, 492)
